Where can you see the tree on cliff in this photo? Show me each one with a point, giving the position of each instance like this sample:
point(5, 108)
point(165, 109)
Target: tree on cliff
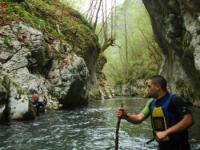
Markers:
point(103, 21)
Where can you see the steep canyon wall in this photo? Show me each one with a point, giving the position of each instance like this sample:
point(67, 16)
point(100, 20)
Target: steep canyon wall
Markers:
point(176, 26)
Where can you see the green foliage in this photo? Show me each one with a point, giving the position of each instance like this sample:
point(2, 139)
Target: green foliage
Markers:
point(18, 88)
point(101, 61)
point(7, 41)
point(143, 58)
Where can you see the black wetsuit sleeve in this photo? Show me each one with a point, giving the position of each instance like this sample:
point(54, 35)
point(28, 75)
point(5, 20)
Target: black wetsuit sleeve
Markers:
point(180, 105)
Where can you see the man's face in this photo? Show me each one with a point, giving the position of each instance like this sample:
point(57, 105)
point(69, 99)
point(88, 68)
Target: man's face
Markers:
point(152, 89)
point(35, 97)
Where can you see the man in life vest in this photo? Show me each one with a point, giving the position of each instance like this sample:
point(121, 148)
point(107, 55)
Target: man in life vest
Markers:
point(170, 116)
point(39, 103)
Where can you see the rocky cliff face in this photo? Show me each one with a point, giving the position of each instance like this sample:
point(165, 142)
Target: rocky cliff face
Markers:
point(30, 66)
point(55, 59)
point(176, 25)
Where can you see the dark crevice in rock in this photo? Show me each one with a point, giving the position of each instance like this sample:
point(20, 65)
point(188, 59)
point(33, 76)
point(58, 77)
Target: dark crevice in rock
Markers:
point(4, 99)
point(75, 96)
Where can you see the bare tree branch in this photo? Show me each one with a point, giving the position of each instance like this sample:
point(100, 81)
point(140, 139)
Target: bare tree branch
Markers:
point(89, 9)
point(97, 15)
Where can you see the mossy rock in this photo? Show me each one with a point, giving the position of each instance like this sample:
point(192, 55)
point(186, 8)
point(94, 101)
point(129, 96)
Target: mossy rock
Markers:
point(57, 20)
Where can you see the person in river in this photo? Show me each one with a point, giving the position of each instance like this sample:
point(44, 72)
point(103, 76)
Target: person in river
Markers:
point(170, 115)
point(38, 102)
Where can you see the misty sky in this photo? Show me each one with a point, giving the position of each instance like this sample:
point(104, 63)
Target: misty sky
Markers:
point(83, 5)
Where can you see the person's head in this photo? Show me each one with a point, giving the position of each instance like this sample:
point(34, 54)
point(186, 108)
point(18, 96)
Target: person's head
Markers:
point(156, 85)
point(35, 97)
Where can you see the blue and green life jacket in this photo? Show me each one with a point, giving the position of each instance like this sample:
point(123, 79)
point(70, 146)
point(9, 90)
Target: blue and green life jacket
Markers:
point(39, 104)
point(160, 117)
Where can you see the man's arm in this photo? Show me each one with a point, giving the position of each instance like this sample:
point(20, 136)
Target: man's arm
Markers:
point(185, 123)
point(182, 109)
point(121, 113)
point(135, 118)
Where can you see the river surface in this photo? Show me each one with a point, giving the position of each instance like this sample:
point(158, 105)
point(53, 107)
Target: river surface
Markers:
point(87, 128)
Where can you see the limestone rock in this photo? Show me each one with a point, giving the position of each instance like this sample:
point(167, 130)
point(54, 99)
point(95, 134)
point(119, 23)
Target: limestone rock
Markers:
point(30, 64)
point(65, 76)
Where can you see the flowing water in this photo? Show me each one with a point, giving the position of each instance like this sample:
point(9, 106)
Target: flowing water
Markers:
point(87, 128)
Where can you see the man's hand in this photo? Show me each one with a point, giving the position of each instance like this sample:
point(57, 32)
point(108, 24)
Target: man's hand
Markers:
point(121, 113)
point(162, 135)
point(185, 123)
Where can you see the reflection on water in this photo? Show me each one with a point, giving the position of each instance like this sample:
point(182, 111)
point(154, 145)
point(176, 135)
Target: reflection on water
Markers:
point(88, 128)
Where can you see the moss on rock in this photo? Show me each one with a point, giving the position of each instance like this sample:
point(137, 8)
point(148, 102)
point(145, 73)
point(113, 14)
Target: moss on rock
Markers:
point(55, 19)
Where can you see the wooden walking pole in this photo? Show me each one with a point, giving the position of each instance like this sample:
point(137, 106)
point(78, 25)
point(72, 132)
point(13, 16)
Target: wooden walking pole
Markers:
point(117, 131)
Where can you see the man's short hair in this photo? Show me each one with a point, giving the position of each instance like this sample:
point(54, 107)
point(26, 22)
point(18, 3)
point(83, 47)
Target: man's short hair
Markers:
point(158, 79)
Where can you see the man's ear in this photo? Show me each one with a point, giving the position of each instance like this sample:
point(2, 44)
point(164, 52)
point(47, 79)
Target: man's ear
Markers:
point(157, 86)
